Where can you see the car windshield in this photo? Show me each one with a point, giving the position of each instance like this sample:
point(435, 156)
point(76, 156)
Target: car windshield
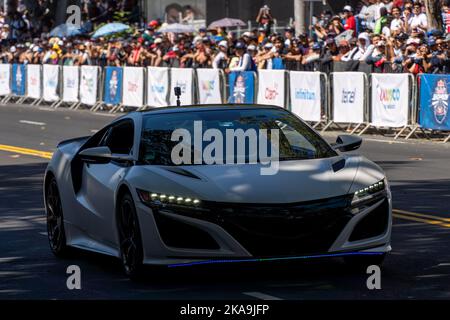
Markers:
point(160, 136)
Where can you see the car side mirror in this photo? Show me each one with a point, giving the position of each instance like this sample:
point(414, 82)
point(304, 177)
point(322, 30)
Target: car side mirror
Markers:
point(346, 143)
point(96, 155)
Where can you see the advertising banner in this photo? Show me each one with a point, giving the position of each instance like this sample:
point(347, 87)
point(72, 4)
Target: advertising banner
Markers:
point(182, 78)
point(51, 81)
point(34, 86)
point(242, 87)
point(89, 85)
point(157, 86)
point(209, 86)
point(348, 97)
point(306, 95)
point(133, 86)
point(434, 98)
point(113, 85)
point(5, 72)
point(390, 100)
point(271, 87)
point(18, 79)
point(71, 82)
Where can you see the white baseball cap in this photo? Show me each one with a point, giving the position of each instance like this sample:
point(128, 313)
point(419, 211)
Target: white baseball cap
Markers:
point(348, 8)
point(224, 44)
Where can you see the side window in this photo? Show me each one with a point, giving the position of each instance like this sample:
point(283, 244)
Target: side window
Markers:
point(120, 137)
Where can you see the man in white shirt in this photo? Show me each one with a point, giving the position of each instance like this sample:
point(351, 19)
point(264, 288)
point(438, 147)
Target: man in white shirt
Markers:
point(397, 24)
point(419, 19)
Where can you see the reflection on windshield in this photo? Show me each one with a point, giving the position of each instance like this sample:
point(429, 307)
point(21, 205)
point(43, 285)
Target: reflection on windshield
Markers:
point(296, 140)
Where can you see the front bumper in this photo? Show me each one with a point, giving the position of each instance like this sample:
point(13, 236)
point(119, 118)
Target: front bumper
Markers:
point(245, 233)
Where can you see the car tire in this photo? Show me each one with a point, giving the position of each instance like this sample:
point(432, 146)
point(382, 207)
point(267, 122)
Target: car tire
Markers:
point(361, 262)
point(131, 250)
point(55, 220)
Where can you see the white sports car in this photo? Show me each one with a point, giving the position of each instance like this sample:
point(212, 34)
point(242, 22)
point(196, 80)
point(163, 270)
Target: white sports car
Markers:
point(121, 193)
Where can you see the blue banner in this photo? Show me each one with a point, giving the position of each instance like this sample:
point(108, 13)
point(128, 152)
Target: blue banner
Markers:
point(18, 79)
point(113, 85)
point(242, 87)
point(434, 98)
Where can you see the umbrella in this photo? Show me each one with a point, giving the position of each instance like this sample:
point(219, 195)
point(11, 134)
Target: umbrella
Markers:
point(177, 28)
point(109, 29)
point(227, 23)
point(66, 30)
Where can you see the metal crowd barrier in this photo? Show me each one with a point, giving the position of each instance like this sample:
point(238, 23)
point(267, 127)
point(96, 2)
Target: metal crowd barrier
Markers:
point(28, 84)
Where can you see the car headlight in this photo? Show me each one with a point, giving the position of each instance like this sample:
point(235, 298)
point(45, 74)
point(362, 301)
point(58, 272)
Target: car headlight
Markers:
point(366, 197)
point(160, 200)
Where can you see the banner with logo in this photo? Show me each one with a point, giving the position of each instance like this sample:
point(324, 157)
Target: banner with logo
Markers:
point(5, 72)
point(306, 95)
point(157, 86)
point(133, 86)
point(434, 99)
point(112, 93)
point(51, 81)
point(89, 85)
point(34, 86)
point(390, 100)
point(209, 88)
point(271, 87)
point(242, 87)
point(18, 79)
point(71, 82)
point(348, 97)
point(182, 78)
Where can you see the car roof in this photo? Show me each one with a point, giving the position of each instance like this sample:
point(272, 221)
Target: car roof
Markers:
point(209, 107)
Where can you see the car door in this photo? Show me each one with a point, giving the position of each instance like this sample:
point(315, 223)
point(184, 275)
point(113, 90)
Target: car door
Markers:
point(100, 182)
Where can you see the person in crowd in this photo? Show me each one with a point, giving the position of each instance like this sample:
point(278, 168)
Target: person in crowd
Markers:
point(384, 33)
point(265, 19)
point(221, 59)
point(350, 21)
point(244, 61)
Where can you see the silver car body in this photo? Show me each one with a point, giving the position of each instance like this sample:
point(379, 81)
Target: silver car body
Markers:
point(90, 220)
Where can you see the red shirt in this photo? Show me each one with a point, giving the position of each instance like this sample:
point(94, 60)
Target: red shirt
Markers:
point(350, 24)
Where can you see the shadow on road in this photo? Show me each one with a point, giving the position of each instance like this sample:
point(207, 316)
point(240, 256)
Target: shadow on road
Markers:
point(419, 265)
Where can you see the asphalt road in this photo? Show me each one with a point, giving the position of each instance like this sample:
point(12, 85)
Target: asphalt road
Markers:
point(418, 268)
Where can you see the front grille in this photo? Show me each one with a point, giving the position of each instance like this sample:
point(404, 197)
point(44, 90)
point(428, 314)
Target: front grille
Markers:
point(279, 230)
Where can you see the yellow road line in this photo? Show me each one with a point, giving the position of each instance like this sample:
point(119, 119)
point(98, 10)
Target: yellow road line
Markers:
point(26, 151)
point(427, 221)
point(420, 215)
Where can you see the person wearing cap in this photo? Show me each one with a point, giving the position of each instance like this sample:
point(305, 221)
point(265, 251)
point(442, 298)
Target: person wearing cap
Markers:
point(221, 59)
point(244, 60)
point(329, 53)
point(336, 26)
point(350, 21)
point(261, 35)
point(289, 36)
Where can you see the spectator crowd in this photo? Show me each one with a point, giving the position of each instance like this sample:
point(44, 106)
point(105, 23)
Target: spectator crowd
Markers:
point(390, 36)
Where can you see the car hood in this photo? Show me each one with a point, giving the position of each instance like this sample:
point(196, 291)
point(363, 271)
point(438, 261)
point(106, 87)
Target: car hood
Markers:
point(296, 181)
